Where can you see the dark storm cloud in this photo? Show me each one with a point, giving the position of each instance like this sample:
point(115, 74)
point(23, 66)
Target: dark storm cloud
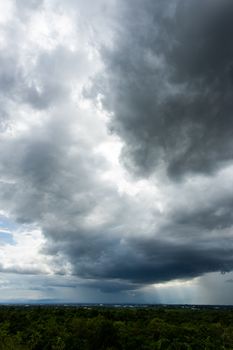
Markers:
point(190, 241)
point(140, 261)
point(168, 82)
point(214, 217)
point(111, 285)
point(167, 79)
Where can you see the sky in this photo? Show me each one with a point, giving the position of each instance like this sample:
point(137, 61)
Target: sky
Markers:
point(116, 151)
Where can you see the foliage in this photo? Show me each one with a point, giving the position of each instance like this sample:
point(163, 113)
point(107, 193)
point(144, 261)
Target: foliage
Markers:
point(108, 328)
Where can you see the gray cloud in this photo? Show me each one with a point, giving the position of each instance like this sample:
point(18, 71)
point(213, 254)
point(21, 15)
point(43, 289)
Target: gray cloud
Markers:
point(168, 83)
point(171, 101)
point(218, 216)
point(146, 260)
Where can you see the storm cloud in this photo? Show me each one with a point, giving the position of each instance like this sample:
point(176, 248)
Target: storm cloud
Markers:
point(168, 84)
point(116, 147)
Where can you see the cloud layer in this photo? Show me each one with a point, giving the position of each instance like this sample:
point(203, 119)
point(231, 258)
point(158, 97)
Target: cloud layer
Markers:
point(116, 148)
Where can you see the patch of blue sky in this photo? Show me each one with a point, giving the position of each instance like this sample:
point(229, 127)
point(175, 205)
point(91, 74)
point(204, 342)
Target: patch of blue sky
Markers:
point(6, 237)
point(7, 226)
point(7, 223)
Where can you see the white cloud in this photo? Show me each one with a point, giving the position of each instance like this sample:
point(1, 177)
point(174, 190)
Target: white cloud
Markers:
point(24, 256)
point(7, 11)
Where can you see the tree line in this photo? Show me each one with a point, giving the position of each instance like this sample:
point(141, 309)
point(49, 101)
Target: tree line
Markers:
point(101, 328)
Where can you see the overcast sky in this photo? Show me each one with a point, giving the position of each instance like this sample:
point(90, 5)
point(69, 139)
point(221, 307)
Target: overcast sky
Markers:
point(116, 158)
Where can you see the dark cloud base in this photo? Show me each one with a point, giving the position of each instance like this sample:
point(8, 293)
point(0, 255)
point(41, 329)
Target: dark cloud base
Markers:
point(138, 262)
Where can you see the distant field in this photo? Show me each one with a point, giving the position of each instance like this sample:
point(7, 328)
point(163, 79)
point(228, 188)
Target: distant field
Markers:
point(92, 327)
